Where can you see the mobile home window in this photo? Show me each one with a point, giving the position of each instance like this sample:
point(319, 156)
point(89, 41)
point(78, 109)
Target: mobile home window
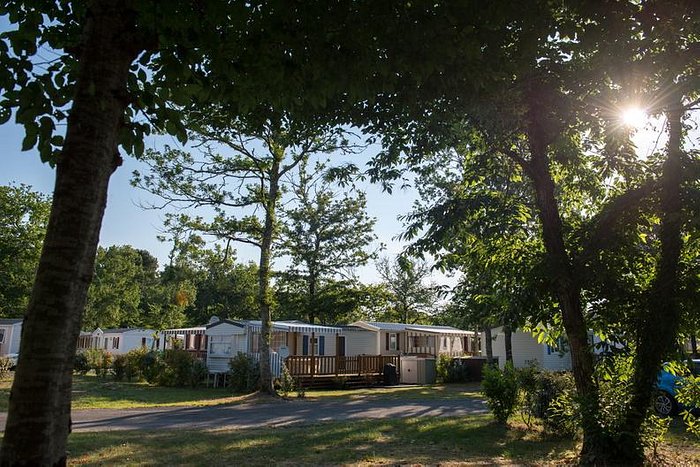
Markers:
point(2, 336)
point(115, 342)
point(393, 341)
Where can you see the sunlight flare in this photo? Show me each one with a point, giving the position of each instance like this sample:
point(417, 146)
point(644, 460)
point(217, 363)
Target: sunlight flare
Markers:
point(634, 117)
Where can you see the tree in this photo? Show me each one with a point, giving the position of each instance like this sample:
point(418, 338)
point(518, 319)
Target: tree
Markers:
point(257, 179)
point(325, 235)
point(539, 105)
point(114, 296)
point(411, 300)
point(23, 218)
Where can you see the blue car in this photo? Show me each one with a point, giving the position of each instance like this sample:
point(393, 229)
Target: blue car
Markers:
point(665, 402)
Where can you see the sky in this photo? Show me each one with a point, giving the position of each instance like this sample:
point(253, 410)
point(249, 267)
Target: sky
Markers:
point(126, 222)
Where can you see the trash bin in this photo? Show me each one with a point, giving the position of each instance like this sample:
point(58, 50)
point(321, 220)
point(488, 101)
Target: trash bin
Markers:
point(391, 376)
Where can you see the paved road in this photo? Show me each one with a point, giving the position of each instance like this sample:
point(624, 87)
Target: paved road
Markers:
point(260, 414)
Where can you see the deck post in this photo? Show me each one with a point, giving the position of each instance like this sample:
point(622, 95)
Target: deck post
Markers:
point(313, 359)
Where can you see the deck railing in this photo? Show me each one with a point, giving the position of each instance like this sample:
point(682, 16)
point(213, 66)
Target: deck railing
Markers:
point(323, 365)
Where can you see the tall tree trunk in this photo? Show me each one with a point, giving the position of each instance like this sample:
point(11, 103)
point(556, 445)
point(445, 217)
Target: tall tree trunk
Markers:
point(488, 344)
point(694, 346)
point(567, 289)
point(659, 328)
point(266, 380)
point(312, 296)
point(508, 341)
point(38, 421)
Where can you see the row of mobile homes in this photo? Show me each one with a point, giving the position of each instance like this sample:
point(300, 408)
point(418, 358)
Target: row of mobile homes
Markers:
point(361, 349)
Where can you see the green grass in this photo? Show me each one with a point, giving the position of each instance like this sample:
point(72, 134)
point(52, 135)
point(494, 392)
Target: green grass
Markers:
point(437, 391)
point(91, 392)
point(406, 441)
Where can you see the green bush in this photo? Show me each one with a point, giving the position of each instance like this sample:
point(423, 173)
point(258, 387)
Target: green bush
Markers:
point(500, 387)
point(119, 367)
point(450, 370)
point(81, 364)
point(99, 360)
point(5, 366)
point(177, 369)
point(152, 366)
point(198, 374)
point(285, 383)
point(245, 374)
point(442, 367)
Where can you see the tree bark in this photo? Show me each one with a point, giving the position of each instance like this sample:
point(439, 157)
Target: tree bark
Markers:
point(508, 341)
point(694, 346)
point(266, 380)
point(39, 421)
point(659, 328)
point(566, 287)
point(488, 344)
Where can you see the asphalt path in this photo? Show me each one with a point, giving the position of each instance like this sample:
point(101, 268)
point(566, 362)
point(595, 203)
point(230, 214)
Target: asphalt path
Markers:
point(265, 414)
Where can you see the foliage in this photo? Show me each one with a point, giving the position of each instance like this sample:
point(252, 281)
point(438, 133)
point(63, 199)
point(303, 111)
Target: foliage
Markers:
point(245, 374)
point(81, 364)
point(410, 299)
point(563, 416)
point(500, 387)
point(6, 365)
point(688, 394)
point(119, 365)
point(449, 370)
point(325, 233)
point(180, 368)
point(99, 360)
point(285, 383)
point(24, 215)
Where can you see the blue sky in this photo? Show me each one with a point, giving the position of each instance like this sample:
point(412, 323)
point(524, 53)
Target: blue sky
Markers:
point(125, 222)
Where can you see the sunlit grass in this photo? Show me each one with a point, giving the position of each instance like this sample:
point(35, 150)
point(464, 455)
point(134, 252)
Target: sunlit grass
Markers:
point(405, 441)
point(92, 392)
point(448, 391)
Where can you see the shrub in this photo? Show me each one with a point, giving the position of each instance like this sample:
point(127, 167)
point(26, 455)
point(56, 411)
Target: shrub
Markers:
point(119, 367)
point(442, 366)
point(135, 364)
point(99, 360)
point(450, 370)
point(500, 387)
point(152, 366)
point(6, 365)
point(198, 374)
point(81, 364)
point(285, 383)
point(176, 369)
point(245, 374)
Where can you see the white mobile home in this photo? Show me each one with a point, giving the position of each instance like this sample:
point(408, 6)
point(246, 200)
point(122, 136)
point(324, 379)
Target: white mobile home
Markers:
point(417, 339)
point(10, 334)
point(116, 341)
point(527, 351)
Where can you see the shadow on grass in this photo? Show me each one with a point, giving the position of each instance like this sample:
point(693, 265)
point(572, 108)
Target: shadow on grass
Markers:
point(414, 440)
point(94, 392)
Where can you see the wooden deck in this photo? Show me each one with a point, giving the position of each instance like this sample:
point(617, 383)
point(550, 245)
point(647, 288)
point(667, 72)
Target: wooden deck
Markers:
point(323, 365)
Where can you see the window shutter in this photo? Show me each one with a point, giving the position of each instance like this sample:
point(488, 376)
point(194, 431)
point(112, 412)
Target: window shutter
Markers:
point(398, 340)
point(322, 345)
point(387, 340)
point(305, 346)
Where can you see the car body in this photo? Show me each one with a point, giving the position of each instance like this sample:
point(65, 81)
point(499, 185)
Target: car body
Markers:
point(667, 384)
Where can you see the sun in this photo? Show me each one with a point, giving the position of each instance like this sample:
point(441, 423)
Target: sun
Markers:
point(634, 117)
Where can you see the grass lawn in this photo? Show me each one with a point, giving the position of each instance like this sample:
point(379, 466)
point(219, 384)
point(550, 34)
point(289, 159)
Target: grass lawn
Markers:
point(91, 392)
point(437, 391)
point(475, 439)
